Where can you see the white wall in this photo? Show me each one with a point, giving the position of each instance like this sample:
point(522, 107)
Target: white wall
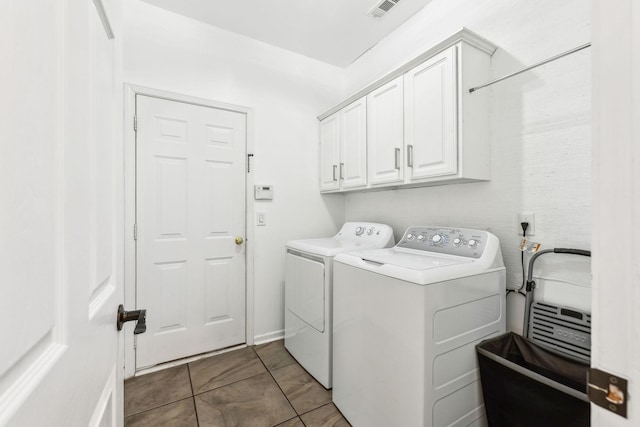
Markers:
point(286, 92)
point(541, 160)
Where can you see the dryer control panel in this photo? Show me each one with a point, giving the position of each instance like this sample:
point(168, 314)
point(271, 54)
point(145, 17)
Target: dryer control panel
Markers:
point(445, 240)
point(381, 235)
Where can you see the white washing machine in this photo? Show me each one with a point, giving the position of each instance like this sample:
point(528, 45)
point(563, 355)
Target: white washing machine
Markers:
point(406, 322)
point(308, 289)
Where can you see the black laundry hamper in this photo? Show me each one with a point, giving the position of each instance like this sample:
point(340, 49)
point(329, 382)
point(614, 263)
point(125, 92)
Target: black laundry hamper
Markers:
point(528, 385)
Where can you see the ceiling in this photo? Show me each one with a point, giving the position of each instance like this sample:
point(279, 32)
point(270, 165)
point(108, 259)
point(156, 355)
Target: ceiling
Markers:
point(333, 31)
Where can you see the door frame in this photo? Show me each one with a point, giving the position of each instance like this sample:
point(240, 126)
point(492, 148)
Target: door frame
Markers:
point(131, 90)
point(615, 293)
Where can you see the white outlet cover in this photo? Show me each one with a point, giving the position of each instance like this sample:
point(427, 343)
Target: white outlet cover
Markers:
point(526, 217)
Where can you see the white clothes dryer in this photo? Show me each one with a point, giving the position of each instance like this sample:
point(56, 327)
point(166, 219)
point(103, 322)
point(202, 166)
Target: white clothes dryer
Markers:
point(406, 322)
point(308, 292)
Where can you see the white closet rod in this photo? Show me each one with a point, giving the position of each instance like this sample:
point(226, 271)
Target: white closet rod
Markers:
point(546, 61)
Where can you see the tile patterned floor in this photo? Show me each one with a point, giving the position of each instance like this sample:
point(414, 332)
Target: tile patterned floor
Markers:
point(252, 387)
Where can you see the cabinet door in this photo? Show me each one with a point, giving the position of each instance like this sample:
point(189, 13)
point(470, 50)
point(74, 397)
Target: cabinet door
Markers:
point(329, 152)
point(385, 133)
point(431, 117)
point(353, 152)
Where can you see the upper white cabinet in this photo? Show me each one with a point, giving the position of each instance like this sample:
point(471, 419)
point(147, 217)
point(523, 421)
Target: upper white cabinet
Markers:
point(353, 140)
point(385, 133)
point(423, 125)
point(343, 148)
point(430, 117)
point(330, 152)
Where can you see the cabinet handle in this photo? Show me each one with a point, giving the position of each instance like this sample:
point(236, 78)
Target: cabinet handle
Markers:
point(341, 170)
point(410, 156)
point(398, 158)
point(335, 168)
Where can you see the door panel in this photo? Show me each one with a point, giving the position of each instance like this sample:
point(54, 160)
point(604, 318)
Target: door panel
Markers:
point(172, 294)
point(219, 186)
point(60, 183)
point(216, 271)
point(430, 116)
point(385, 133)
point(190, 208)
point(171, 193)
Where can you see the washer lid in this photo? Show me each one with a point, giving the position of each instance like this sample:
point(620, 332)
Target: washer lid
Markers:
point(330, 246)
point(414, 266)
point(410, 259)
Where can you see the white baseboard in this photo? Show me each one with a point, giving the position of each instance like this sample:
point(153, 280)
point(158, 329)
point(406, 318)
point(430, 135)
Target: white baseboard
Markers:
point(268, 337)
point(259, 339)
point(185, 360)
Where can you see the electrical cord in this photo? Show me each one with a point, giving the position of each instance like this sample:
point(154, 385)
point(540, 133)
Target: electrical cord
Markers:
point(524, 226)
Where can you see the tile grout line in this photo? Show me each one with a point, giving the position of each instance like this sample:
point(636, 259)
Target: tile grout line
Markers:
point(233, 382)
point(285, 395)
point(193, 397)
point(280, 388)
point(321, 406)
point(158, 407)
point(219, 387)
point(140, 378)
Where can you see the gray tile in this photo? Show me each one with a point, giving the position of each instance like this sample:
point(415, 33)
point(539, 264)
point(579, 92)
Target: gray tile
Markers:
point(325, 416)
point(254, 402)
point(223, 369)
point(176, 414)
point(274, 355)
point(158, 388)
point(294, 422)
point(304, 392)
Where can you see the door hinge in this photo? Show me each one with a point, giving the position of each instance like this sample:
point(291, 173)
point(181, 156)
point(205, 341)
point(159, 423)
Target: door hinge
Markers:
point(249, 156)
point(135, 123)
point(135, 231)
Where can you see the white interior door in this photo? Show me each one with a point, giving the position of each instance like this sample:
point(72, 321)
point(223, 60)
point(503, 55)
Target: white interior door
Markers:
point(190, 209)
point(61, 191)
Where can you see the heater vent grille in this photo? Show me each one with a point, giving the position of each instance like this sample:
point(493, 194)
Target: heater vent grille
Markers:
point(562, 329)
point(382, 7)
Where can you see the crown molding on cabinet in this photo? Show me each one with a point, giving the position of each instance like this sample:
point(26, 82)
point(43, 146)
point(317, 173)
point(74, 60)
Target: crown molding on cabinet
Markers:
point(464, 34)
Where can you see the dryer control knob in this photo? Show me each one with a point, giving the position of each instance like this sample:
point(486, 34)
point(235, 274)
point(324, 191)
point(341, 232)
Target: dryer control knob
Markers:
point(457, 241)
point(473, 243)
point(436, 239)
point(370, 231)
point(420, 238)
point(359, 231)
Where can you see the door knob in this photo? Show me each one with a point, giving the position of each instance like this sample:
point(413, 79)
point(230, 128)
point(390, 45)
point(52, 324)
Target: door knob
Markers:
point(127, 316)
point(239, 240)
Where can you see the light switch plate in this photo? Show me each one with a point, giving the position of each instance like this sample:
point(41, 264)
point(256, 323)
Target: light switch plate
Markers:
point(261, 219)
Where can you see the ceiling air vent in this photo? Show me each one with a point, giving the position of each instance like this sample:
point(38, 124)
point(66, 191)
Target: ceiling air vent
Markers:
point(382, 7)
